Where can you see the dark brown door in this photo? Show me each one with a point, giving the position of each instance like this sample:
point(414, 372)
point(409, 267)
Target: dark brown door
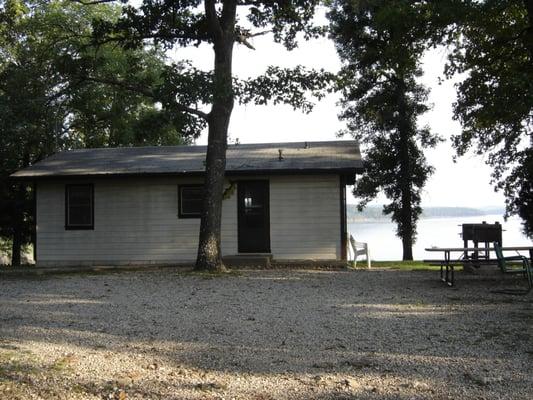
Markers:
point(253, 217)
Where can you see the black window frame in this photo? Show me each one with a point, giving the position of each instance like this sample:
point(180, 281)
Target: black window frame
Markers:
point(76, 227)
point(181, 215)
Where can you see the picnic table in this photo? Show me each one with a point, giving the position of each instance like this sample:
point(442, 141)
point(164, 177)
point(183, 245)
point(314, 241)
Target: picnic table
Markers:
point(447, 264)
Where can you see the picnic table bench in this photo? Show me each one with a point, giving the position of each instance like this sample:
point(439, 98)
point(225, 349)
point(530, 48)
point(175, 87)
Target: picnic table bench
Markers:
point(448, 263)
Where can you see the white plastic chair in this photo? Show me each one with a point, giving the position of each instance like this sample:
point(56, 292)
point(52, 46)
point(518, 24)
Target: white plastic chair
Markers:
point(358, 249)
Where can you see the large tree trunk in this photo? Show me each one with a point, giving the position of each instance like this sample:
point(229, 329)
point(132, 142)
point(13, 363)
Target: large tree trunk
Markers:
point(406, 211)
point(407, 242)
point(209, 254)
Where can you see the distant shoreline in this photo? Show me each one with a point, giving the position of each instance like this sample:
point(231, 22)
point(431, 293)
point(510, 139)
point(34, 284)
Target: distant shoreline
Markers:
point(375, 214)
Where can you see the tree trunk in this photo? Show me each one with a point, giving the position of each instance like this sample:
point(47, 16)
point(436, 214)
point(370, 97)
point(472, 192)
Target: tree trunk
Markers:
point(18, 221)
point(407, 246)
point(16, 248)
point(406, 211)
point(209, 254)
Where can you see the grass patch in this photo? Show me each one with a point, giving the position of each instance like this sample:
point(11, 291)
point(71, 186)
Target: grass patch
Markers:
point(24, 376)
point(64, 363)
point(14, 363)
point(404, 265)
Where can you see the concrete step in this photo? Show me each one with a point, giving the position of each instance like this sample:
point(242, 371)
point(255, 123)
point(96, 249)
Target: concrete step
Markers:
point(248, 260)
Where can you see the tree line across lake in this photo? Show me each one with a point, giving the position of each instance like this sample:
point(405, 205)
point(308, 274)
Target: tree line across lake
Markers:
point(86, 73)
point(375, 213)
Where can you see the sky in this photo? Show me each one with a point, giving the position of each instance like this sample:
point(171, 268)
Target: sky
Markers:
point(464, 183)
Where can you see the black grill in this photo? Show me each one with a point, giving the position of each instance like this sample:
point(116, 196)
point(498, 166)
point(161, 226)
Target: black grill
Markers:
point(481, 233)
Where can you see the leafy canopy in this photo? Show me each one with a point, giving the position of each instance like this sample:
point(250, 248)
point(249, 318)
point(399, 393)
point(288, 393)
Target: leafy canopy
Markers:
point(491, 44)
point(52, 96)
point(187, 90)
point(380, 43)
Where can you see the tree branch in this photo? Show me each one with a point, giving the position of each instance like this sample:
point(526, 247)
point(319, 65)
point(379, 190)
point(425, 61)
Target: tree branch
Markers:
point(145, 92)
point(91, 2)
point(155, 36)
point(243, 40)
point(261, 33)
point(242, 37)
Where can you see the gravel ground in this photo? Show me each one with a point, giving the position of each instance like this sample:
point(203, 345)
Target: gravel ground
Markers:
point(261, 335)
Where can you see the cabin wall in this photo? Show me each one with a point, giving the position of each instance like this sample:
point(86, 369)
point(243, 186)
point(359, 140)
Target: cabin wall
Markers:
point(305, 217)
point(136, 222)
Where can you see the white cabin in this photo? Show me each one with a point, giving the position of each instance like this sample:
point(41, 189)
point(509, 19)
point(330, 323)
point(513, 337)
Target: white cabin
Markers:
point(129, 206)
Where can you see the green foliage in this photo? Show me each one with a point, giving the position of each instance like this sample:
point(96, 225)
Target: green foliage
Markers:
point(53, 95)
point(186, 23)
point(185, 89)
point(5, 246)
point(380, 43)
point(492, 45)
point(293, 86)
point(230, 190)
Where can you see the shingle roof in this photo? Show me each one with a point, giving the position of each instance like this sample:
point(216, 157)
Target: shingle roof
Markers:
point(332, 156)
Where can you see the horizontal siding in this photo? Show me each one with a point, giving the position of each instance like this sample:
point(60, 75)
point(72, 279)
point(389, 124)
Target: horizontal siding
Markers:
point(305, 217)
point(136, 221)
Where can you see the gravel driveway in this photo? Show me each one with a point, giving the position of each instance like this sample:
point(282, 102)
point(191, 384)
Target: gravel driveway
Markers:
point(267, 334)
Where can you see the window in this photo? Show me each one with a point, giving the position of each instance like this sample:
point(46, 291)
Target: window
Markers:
point(190, 201)
point(79, 207)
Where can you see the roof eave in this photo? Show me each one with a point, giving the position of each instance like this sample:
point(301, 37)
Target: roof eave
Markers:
point(345, 171)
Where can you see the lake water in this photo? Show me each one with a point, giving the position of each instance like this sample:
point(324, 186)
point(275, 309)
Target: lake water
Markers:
point(441, 232)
